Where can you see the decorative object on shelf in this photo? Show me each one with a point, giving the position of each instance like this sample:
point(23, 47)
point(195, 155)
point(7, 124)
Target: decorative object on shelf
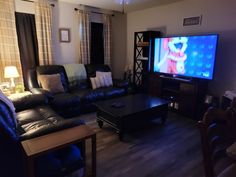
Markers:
point(11, 72)
point(128, 73)
point(64, 34)
point(142, 44)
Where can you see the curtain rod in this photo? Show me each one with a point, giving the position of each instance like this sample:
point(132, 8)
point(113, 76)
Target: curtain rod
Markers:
point(76, 9)
point(33, 2)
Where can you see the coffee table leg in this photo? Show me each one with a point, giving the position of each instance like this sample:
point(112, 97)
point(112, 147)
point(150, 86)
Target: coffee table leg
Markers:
point(164, 115)
point(120, 134)
point(163, 120)
point(100, 123)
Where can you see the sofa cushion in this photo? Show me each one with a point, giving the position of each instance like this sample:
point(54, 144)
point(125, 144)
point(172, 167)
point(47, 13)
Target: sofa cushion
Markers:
point(51, 83)
point(65, 100)
point(111, 92)
point(27, 100)
point(42, 120)
point(89, 95)
point(36, 114)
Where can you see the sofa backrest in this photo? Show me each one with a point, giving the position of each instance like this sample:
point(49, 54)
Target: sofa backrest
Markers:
point(91, 69)
point(70, 73)
point(54, 69)
point(7, 123)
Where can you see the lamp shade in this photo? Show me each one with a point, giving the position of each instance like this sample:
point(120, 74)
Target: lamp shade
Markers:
point(11, 72)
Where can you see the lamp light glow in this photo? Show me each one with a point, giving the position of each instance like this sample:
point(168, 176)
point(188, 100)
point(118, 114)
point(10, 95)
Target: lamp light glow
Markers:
point(11, 72)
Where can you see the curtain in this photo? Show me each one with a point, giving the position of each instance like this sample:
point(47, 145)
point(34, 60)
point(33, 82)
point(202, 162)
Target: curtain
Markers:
point(43, 19)
point(97, 47)
point(107, 38)
point(84, 37)
point(28, 44)
point(9, 51)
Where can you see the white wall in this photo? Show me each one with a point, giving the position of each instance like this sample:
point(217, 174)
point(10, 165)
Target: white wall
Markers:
point(64, 16)
point(119, 41)
point(218, 16)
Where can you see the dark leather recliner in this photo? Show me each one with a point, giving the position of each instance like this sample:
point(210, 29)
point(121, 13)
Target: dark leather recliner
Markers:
point(80, 98)
point(34, 118)
point(66, 104)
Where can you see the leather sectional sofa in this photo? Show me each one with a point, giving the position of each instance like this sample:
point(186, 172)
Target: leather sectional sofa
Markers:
point(78, 97)
point(35, 118)
point(42, 113)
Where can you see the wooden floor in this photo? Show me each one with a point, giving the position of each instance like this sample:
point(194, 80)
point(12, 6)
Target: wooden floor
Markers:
point(170, 150)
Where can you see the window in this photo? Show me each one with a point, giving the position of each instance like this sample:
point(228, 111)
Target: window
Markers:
point(97, 43)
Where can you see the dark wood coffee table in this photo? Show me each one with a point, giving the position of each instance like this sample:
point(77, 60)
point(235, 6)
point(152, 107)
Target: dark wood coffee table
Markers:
point(123, 112)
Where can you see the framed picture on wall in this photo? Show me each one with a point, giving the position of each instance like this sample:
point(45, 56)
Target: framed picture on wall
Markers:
point(64, 34)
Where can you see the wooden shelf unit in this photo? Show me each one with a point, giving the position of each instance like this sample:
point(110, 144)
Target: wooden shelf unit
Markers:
point(186, 96)
point(143, 49)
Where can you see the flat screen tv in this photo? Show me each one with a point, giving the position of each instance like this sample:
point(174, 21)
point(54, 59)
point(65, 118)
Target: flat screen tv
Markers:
point(190, 56)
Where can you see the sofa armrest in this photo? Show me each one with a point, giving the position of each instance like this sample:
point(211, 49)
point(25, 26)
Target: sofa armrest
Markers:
point(43, 144)
point(58, 140)
point(120, 83)
point(48, 94)
point(26, 101)
point(41, 130)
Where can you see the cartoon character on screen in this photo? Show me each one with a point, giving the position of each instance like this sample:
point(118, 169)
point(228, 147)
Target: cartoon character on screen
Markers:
point(175, 56)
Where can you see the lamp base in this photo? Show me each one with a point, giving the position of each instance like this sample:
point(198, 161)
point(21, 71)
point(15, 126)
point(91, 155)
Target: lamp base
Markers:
point(12, 84)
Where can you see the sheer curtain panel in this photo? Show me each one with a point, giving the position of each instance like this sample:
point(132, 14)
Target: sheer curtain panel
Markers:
point(43, 20)
point(84, 27)
point(107, 38)
point(9, 51)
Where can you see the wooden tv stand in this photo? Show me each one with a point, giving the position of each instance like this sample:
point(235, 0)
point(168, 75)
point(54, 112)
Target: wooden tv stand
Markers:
point(186, 95)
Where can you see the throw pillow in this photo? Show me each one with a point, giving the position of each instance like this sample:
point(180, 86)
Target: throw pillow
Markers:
point(98, 82)
point(107, 75)
point(51, 83)
point(92, 79)
point(102, 81)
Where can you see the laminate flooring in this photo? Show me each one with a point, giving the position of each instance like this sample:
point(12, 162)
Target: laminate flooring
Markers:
point(170, 150)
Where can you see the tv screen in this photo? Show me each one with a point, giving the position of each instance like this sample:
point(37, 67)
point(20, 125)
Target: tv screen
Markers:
point(191, 56)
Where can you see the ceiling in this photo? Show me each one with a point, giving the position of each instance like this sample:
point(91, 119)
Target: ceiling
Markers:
point(116, 5)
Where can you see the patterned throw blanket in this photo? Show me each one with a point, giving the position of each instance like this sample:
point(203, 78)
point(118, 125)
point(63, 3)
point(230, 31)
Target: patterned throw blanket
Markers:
point(75, 73)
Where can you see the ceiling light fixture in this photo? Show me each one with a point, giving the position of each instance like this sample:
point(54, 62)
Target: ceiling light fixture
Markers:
point(123, 3)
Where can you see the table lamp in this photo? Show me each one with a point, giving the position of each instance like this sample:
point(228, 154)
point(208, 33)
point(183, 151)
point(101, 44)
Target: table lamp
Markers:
point(11, 72)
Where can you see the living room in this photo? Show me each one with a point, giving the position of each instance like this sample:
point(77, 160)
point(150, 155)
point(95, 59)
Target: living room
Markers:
point(166, 150)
